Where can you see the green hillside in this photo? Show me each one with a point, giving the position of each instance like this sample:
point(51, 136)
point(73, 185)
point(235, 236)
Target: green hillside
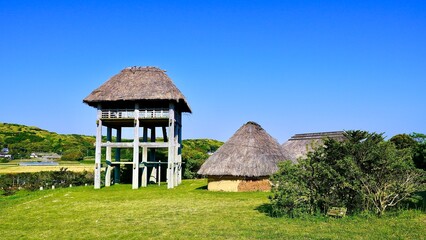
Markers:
point(23, 140)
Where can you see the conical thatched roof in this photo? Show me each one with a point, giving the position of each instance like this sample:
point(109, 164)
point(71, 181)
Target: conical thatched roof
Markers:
point(250, 152)
point(138, 84)
point(300, 144)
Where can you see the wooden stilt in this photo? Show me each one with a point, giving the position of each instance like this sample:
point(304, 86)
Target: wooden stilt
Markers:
point(144, 177)
point(180, 153)
point(159, 174)
point(153, 173)
point(98, 153)
point(164, 134)
point(108, 175)
point(171, 154)
point(108, 159)
point(135, 176)
point(145, 134)
point(176, 163)
point(117, 157)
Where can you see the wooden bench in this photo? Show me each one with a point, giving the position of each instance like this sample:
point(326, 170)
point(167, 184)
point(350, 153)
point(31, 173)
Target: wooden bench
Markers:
point(336, 212)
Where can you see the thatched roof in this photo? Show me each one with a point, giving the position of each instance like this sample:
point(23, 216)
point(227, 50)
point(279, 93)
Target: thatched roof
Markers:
point(138, 84)
point(250, 152)
point(300, 144)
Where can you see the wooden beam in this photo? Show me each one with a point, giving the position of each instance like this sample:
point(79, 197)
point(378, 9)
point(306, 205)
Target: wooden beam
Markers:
point(131, 144)
point(118, 144)
point(121, 163)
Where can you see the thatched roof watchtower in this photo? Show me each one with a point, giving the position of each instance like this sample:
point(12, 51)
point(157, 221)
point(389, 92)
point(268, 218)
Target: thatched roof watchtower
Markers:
point(145, 85)
point(140, 97)
point(244, 162)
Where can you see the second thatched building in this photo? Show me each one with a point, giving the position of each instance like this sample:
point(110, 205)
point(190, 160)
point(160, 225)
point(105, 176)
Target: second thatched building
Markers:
point(299, 145)
point(244, 162)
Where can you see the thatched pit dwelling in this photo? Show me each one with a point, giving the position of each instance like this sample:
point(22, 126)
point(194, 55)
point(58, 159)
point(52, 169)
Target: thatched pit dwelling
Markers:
point(145, 100)
point(300, 144)
point(244, 162)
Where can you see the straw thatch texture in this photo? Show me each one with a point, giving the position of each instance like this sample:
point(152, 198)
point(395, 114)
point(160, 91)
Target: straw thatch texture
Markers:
point(300, 144)
point(136, 84)
point(250, 152)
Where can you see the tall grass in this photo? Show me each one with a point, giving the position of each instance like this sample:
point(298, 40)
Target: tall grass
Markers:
point(186, 212)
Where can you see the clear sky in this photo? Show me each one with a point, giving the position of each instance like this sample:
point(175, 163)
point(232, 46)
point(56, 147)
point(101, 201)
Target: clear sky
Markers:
point(291, 66)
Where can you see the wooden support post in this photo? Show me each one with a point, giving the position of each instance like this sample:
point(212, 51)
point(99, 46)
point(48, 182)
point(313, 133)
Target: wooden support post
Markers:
point(171, 154)
point(153, 173)
point(145, 134)
point(108, 158)
point(108, 175)
point(117, 157)
point(176, 162)
point(144, 177)
point(135, 175)
point(180, 154)
point(159, 174)
point(98, 152)
point(164, 134)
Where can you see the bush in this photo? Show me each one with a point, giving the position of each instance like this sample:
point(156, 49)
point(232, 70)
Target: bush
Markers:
point(10, 183)
point(290, 195)
point(73, 155)
point(361, 173)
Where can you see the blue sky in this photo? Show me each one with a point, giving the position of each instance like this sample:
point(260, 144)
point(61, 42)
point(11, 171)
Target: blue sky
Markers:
point(291, 66)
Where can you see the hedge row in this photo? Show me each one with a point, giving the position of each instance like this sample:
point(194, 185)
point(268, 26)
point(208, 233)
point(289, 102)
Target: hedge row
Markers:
point(10, 183)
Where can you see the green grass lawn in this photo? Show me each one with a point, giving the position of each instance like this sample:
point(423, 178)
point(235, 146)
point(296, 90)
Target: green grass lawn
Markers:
point(76, 166)
point(186, 212)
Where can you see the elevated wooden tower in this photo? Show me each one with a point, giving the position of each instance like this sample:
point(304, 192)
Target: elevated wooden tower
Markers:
point(142, 98)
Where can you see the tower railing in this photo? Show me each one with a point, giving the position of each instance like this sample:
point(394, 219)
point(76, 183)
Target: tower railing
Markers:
point(156, 113)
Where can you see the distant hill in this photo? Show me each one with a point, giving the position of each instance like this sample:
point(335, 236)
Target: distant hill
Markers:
point(23, 140)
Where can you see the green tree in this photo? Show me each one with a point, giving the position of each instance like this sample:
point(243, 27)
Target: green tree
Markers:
point(402, 141)
point(290, 195)
point(419, 151)
point(72, 155)
point(363, 172)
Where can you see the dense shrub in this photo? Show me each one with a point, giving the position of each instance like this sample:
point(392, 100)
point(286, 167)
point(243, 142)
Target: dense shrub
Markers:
point(72, 155)
point(290, 195)
point(10, 183)
point(361, 173)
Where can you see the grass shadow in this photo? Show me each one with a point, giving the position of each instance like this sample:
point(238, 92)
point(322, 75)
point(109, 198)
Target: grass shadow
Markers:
point(266, 209)
point(202, 188)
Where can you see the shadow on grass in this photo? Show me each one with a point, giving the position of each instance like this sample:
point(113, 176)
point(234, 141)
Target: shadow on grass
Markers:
point(202, 188)
point(266, 209)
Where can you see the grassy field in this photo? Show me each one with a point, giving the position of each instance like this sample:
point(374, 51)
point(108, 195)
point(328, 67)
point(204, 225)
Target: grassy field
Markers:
point(186, 212)
point(14, 167)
